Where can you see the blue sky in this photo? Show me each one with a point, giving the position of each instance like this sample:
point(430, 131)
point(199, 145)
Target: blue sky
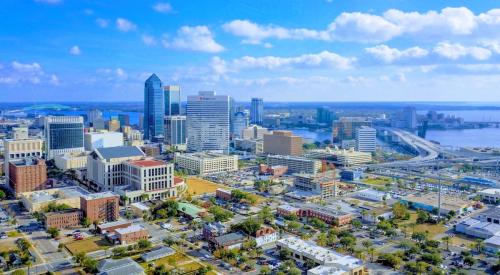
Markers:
point(283, 50)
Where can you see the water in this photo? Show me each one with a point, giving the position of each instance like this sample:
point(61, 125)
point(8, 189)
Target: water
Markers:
point(473, 115)
point(312, 136)
point(134, 116)
point(485, 137)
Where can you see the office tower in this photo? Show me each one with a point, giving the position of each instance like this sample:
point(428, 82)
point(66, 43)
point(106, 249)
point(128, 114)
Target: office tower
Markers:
point(240, 122)
point(27, 175)
point(93, 115)
point(141, 121)
point(208, 122)
point(283, 143)
point(63, 134)
point(257, 111)
point(410, 117)
point(366, 138)
point(172, 100)
point(124, 120)
point(324, 115)
point(345, 128)
point(113, 125)
point(175, 131)
point(154, 109)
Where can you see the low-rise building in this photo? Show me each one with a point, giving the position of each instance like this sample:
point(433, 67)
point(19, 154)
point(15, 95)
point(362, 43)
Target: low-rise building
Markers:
point(103, 139)
point(139, 209)
point(38, 200)
point(326, 260)
point(322, 184)
point(63, 219)
point(156, 254)
point(350, 175)
point(341, 157)
point(100, 207)
point(372, 195)
point(204, 163)
point(110, 227)
point(328, 214)
point(212, 230)
point(254, 146)
point(429, 202)
point(295, 164)
point(275, 171)
point(265, 235)
point(71, 161)
point(119, 267)
point(191, 211)
point(131, 234)
point(478, 229)
point(229, 241)
point(490, 195)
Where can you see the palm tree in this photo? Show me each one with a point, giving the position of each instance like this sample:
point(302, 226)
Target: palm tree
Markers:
point(371, 251)
point(446, 240)
point(479, 245)
point(364, 213)
point(374, 216)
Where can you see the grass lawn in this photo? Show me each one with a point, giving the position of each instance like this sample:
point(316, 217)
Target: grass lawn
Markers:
point(87, 245)
point(197, 186)
point(377, 181)
point(177, 258)
point(13, 234)
point(433, 229)
point(192, 266)
point(7, 245)
point(461, 241)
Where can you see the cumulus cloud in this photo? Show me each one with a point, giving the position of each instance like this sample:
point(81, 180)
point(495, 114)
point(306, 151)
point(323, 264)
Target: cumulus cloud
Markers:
point(196, 38)
point(388, 55)
point(455, 51)
point(125, 25)
point(323, 59)
point(163, 7)
point(148, 40)
point(364, 27)
point(103, 23)
point(75, 50)
point(117, 74)
point(33, 73)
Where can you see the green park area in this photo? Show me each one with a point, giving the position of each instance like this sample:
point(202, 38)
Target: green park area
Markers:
point(87, 245)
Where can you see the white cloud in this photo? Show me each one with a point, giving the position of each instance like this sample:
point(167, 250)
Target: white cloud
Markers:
point(323, 59)
point(254, 33)
point(103, 23)
point(125, 25)
point(388, 55)
point(17, 72)
point(163, 7)
point(51, 2)
point(109, 75)
point(148, 40)
point(450, 22)
point(75, 50)
point(197, 38)
point(455, 51)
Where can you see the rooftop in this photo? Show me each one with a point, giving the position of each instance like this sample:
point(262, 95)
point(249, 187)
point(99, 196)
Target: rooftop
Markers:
point(130, 229)
point(189, 209)
point(120, 152)
point(48, 195)
point(158, 253)
point(205, 155)
point(447, 201)
point(119, 267)
point(230, 238)
point(147, 163)
point(112, 224)
point(490, 191)
point(94, 196)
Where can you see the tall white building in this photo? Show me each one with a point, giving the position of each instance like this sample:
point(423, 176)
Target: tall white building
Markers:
point(63, 134)
point(366, 138)
point(102, 140)
point(175, 132)
point(240, 122)
point(208, 122)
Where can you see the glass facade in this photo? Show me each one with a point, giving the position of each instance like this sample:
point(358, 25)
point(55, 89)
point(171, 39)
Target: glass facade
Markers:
point(257, 111)
point(154, 108)
point(175, 130)
point(172, 100)
point(66, 135)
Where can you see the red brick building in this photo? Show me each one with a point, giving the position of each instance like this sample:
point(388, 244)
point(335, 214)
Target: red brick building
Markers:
point(223, 194)
point(326, 214)
point(131, 234)
point(275, 171)
point(63, 219)
point(100, 207)
point(111, 227)
point(27, 175)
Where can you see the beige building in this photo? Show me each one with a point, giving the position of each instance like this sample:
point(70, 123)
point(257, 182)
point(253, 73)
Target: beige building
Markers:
point(283, 143)
point(71, 161)
point(38, 200)
point(295, 164)
point(18, 149)
point(340, 157)
point(206, 163)
point(254, 132)
point(113, 125)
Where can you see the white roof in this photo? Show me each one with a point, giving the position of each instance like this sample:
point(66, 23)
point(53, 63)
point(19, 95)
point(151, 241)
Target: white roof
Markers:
point(495, 241)
point(130, 229)
point(490, 191)
point(139, 205)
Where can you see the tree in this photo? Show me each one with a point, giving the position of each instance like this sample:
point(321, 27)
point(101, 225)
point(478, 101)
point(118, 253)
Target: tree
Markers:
point(2, 195)
point(18, 272)
point(356, 224)
point(348, 242)
point(249, 226)
point(470, 261)
point(422, 216)
point(265, 270)
point(400, 211)
point(90, 265)
point(144, 244)
point(322, 239)
point(293, 225)
point(420, 237)
point(85, 222)
point(371, 251)
point(285, 254)
point(53, 232)
point(265, 215)
point(79, 258)
point(220, 214)
point(446, 240)
point(478, 243)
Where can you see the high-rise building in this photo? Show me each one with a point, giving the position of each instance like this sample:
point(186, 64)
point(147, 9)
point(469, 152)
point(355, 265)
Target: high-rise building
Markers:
point(257, 111)
point(366, 138)
point(254, 132)
point(124, 120)
point(93, 115)
point(324, 115)
point(172, 100)
point(175, 131)
point(27, 175)
point(154, 109)
point(345, 128)
point(18, 149)
point(283, 143)
point(102, 140)
point(100, 207)
point(208, 122)
point(410, 117)
point(113, 125)
point(63, 134)
point(240, 122)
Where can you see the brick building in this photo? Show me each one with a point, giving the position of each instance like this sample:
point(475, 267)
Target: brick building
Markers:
point(326, 214)
point(223, 194)
point(131, 234)
point(100, 207)
point(63, 219)
point(27, 175)
point(110, 227)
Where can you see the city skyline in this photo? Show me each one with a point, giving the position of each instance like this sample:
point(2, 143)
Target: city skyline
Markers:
point(299, 50)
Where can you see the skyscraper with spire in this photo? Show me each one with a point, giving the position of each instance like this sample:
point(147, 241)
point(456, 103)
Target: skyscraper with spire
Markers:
point(154, 109)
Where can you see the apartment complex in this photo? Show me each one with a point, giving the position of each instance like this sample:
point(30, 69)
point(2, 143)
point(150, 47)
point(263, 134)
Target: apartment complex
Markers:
point(283, 143)
point(27, 175)
point(63, 134)
point(327, 214)
point(206, 163)
point(295, 164)
point(100, 206)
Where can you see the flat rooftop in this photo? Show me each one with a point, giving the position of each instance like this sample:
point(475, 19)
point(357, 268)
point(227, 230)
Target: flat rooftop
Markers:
point(447, 201)
point(147, 163)
point(130, 229)
point(48, 195)
point(93, 196)
point(204, 155)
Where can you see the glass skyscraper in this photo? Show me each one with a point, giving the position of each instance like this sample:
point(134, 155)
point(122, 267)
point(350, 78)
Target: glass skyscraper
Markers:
point(175, 131)
point(208, 122)
point(154, 109)
point(63, 134)
point(172, 100)
point(257, 111)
